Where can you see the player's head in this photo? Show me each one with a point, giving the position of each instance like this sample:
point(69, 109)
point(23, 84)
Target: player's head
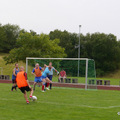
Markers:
point(50, 64)
point(16, 65)
point(49, 68)
point(36, 65)
point(21, 68)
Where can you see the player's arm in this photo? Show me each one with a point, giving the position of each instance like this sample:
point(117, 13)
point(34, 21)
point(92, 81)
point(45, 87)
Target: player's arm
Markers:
point(45, 66)
point(56, 71)
point(33, 72)
point(14, 72)
point(41, 68)
point(25, 74)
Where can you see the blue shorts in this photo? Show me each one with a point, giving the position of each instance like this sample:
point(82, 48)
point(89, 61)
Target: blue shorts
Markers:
point(42, 77)
point(38, 79)
point(50, 77)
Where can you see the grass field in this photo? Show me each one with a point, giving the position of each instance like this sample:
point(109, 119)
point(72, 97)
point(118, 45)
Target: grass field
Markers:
point(60, 104)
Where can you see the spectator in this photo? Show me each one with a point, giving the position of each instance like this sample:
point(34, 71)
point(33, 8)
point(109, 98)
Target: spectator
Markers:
point(62, 75)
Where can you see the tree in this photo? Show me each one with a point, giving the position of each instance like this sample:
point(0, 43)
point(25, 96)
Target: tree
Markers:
point(34, 46)
point(104, 49)
point(67, 41)
point(3, 39)
point(11, 32)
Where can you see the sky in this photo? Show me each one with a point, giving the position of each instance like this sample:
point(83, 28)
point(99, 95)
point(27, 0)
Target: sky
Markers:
point(44, 16)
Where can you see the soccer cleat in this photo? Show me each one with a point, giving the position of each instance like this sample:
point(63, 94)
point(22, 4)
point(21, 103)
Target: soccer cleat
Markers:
point(47, 88)
point(42, 91)
point(27, 102)
point(31, 97)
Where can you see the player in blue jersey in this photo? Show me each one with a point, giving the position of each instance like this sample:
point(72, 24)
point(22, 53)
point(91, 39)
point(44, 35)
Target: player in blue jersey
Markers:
point(44, 76)
point(50, 75)
point(15, 71)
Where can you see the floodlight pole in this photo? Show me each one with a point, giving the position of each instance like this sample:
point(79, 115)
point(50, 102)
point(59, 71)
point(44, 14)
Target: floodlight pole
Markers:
point(79, 50)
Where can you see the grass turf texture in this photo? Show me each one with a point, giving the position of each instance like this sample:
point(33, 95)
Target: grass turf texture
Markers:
point(60, 104)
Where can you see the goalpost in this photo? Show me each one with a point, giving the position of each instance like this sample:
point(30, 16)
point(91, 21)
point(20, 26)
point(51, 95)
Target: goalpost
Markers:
point(86, 67)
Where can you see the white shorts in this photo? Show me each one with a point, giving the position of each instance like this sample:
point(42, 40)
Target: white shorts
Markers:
point(62, 77)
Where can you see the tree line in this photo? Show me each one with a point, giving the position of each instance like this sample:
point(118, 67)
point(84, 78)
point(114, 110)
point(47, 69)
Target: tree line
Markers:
point(19, 43)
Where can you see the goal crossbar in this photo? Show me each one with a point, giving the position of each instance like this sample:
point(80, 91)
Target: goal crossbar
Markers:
point(57, 58)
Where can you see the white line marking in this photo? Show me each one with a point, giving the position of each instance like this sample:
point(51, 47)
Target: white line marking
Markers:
point(55, 103)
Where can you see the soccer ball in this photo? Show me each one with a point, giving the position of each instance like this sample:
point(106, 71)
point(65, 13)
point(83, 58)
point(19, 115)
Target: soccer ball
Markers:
point(34, 98)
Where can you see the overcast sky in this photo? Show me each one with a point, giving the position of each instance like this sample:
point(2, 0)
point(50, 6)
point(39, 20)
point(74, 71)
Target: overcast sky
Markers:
point(48, 15)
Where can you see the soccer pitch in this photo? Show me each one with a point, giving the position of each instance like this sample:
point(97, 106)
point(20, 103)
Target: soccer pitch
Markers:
point(60, 104)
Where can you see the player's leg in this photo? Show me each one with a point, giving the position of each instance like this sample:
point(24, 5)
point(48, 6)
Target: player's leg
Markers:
point(51, 83)
point(36, 80)
point(43, 84)
point(13, 86)
point(64, 79)
point(27, 88)
point(34, 84)
point(47, 83)
point(25, 94)
point(50, 78)
point(47, 80)
point(31, 92)
point(60, 79)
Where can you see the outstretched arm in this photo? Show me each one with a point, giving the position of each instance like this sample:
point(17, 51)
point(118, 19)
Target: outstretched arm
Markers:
point(55, 70)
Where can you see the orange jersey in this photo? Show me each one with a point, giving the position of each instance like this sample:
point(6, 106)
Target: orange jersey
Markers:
point(38, 72)
point(21, 80)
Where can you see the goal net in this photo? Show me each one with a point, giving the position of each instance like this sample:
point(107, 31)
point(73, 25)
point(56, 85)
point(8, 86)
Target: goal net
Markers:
point(80, 69)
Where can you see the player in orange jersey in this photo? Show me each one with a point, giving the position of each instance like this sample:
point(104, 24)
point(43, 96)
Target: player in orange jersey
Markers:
point(37, 72)
point(23, 83)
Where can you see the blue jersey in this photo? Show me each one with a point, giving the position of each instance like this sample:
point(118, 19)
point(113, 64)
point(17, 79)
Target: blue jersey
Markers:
point(45, 72)
point(51, 71)
point(13, 76)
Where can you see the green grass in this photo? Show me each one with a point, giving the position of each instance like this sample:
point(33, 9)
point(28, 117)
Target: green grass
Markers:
point(60, 104)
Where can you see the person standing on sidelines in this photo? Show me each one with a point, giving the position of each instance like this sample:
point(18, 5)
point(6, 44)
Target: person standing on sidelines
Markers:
point(23, 84)
point(37, 72)
point(15, 71)
point(50, 75)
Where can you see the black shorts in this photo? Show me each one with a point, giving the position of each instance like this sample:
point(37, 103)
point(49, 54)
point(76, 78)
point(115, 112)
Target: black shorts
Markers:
point(13, 80)
point(23, 89)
